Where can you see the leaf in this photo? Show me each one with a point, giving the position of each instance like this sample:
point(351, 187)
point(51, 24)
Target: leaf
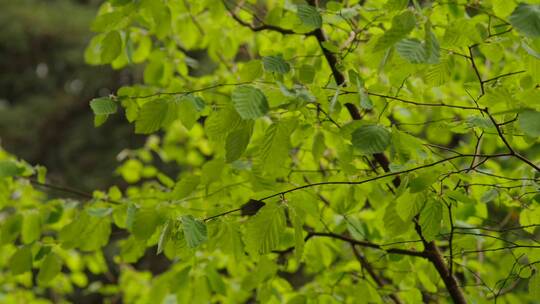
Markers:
point(9, 168)
point(318, 147)
point(249, 102)
point(185, 187)
point(194, 231)
point(111, 47)
point(164, 237)
point(534, 285)
point(526, 19)
point(21, 260)
point(263, 230)
point(31, 226)
point(396, 5)
point(187, 112)
point(275, 147)
point(309, 15)
point(412, 50)
point(529, 122)
point(430, 219)
point(10, 229)
point(371, 139)
point(251, 70)
point(297, 217)
point(402, 25)
point(439, 74)
point(275, 64)
point(152, 115)
point(423, 181)
point(393, 223)
point(145, 223)
point(220, 122)
point(50, 268)
point(229, 240)
point(237, 142)
point(432, 48)
point(103, 106)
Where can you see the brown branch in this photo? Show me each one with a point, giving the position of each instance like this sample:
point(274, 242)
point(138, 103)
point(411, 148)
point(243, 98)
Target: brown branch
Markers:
point(262, 27)
point(366, 244)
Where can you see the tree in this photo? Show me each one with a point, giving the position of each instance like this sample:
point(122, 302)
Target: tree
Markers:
point(325, 152)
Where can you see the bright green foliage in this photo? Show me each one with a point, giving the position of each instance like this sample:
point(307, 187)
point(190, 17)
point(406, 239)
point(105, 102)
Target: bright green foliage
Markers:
point(388, 144)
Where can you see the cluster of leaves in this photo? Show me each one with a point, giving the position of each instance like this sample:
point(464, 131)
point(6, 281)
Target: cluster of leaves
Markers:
point(356, 151)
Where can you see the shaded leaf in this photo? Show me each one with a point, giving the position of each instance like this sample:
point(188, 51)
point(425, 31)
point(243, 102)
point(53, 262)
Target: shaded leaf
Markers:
point(50, 268)
point(371, 139)
point(21, 260)
point(526, 19)
point(275, 64)
point(309, 15)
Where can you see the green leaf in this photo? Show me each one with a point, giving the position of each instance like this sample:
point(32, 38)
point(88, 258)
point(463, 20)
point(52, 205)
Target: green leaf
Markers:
point(309, 15)
point(423, 181)
point(10, 229)
point(9, 168)
point(31, 227)
point(264, 229)
point(164, 237)
point(276, 64)
point(276, 144)
point(111, 47)
point(21, 260)
point(251, 70)
point(103, 106)
point(50, 268)
point(185, 187)
point(237, 142)
point(229, 240)
point(220, 122)
point(526, 19)
point(412, 50)
point(152, 116)
point(318, 147)
point(371, 139)
point(430, 219)
point(194, 231)
point(432, 48)
point(439, 74)
point(529, 122)
point(534, 285)
point(393, 223)
point(298, 217)
point(187, 112)
point(100, 119)
point(396, 5)
point(145, 223)
point(402, 25)
point(249, 102)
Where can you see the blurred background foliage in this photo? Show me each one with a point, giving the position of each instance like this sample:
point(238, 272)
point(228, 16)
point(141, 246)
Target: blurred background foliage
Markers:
point(45, 86)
